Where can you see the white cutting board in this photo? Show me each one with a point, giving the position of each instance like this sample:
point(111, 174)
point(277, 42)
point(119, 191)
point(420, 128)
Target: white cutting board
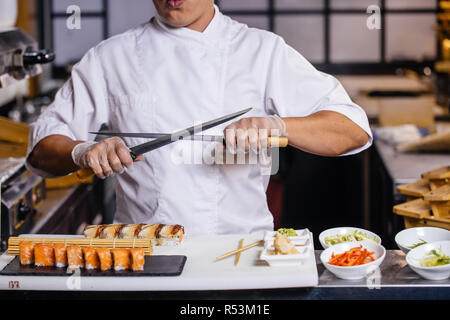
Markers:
point(201, 272)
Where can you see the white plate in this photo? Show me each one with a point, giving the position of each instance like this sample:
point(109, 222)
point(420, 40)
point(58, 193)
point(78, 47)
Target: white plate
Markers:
point(353, 272)
point(303, 238)
point(430, 273)
point(285, 259)
point(300, 242)
point(342, 231)
point(411, 236)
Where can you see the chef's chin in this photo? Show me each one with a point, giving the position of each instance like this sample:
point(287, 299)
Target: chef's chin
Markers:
point(181, 13)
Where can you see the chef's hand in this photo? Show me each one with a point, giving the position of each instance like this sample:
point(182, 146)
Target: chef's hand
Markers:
point(252, 133)
point(105, 158)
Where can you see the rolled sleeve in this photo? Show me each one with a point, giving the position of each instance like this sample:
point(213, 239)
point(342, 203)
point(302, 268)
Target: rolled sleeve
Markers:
point(79, 106)
point(296, 89)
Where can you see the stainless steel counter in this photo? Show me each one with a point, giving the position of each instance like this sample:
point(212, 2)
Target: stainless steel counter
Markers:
point(396, 282)
point(407, 167)
point(394, 272)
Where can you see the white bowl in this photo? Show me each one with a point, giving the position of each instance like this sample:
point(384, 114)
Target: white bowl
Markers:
point(342, 231)
point(411, 236)
point(430, 273)
point(353, 272)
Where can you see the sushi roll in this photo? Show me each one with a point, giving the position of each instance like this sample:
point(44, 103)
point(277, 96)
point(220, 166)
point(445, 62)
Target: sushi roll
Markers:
point(170, 235)
point(75, 257)
point(44, 255)
point(111, 231)
point(137, 259)
point(93, 231)
point(105, 258)
point(130, 231)
point(121, 259)
point(60, 255)
point(26, 252)
point(91, 260)
point(150, 231)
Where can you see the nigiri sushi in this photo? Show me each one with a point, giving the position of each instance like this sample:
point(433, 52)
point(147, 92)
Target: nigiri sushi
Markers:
point(160, 234)
point(91, 260)
point(75, 257)
point(121, 259)
point(26, 252)
point(104, 255)
point(150, 231)
point(44, 255)
point(130, 231)
point(137, 259)
point(170, 234)
point(111, 231)
point(60, 255)
point(93, 231)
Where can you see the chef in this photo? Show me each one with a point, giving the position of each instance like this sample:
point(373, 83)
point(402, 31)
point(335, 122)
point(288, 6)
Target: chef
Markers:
point(187, 65)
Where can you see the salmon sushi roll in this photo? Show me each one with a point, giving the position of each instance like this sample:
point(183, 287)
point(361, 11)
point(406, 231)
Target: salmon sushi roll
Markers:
point(75, 257)
point(91, 258)
point(44, 255)
point(26, 252)
point(121, 259)
point(60, 255)
point(105, 258)
point(137, 259)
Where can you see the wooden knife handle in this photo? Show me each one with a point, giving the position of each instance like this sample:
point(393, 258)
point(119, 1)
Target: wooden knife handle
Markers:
point(279, 142)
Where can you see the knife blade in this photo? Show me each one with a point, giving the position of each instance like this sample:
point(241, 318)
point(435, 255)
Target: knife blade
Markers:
point(135, 151)
point(273, 141)
point(204, 137)
point(179, 135)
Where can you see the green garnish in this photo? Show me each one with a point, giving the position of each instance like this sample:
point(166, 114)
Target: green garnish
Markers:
point(418, 244)
point(288, 232)
point(434, 258)
point(348, 237)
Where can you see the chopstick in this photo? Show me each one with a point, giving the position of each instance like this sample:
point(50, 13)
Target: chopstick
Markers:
point(238, 255)
point(240, 249)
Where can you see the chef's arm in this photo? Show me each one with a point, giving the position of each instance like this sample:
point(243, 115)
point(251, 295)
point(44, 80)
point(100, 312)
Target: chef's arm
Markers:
point(53, 155)
point(325, 133)
point(60, 155)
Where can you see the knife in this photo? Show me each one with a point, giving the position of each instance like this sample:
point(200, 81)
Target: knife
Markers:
point(135, 151)
point(273, 141)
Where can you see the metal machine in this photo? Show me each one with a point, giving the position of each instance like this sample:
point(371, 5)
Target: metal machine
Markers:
point(21, 191)
point(20, 57)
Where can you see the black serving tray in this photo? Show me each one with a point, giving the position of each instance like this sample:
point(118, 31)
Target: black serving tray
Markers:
point(155, 266)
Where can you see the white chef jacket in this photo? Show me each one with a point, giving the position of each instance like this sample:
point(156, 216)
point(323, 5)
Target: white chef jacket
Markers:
point(155, 78)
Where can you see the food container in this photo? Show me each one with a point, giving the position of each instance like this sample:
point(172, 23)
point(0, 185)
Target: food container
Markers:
point(304, 246)
point(412, 236)
point(430, 273)
point(344, 231)
point(302, 238)
point(353, 272)
point(286, 259)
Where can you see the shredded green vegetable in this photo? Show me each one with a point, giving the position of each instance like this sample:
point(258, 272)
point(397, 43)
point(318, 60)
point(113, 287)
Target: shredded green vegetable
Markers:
point(348, 237)
point(289, 232)
point(434, 258)
point(418, 244)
